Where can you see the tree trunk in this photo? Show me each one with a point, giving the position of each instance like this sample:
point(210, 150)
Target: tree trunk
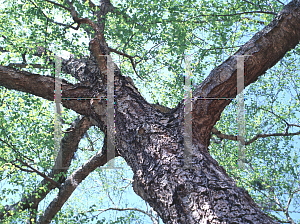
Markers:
point(152, 142)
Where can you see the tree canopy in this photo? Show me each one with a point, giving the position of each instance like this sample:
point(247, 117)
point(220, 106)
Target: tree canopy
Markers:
point(149, 42)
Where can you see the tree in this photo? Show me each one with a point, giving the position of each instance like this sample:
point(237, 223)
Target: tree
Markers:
point(150, 140)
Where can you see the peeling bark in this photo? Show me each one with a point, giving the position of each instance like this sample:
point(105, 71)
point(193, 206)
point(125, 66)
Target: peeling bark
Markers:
point(151, 142)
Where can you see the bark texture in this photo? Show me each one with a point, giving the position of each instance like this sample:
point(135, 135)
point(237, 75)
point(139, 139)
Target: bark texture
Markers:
point(152, 142)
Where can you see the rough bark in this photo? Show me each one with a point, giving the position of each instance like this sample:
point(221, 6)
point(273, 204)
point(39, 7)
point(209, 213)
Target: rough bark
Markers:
point(151, 142)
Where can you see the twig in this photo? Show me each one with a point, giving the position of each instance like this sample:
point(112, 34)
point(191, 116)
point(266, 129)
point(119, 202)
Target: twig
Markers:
point(128, 56)
point(51, 20)
point(234, 138)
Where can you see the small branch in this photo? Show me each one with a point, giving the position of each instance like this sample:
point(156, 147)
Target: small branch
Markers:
point(223, 136)
point(274, 115)
point(74, 16)
point(130, 181)
point(51, 20)
point(128, 41)
point(130, 58)
point(59, 5)
point(92, 5)
point(82, 20)
point(32, 216)
point(39, 51)
point(260, 22)
point(111, 199)
point(72, 183)
point(69, 145)
point(21, 65)
point(15, 150)
point(234, 14)
point(288, 203)
point(143, 58)
point(126, 209)
point(216, 141)
point(90, 141)
point(131, 38)
point(234, 138)
point(40, 173)
point(26, 164)
point(125, 16)
point(249, 2)
point(280, 2)
point(20, 168)
point(271, 6)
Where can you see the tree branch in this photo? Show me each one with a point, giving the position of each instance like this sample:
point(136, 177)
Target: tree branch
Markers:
point(51, 20)
point(234, 138)
point(267, 47)
point(78, 20)
point(40, 173)
point(69, 145)
point(92, 5)
point(22, 65)
point(43, 86)
point(72, 183)
point(130, 58)
point(59, 5)
point(128, 209)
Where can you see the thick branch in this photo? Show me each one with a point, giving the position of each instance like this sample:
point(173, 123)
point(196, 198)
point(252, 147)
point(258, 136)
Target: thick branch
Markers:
point(43, 86)
point(267, 47)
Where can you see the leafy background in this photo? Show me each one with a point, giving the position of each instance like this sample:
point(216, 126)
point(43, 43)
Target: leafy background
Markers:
point(159, 34)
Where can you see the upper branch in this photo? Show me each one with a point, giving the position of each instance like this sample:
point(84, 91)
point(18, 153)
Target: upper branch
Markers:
point(82, 20)
point(105, 7)
point(51, 20)
point(266, 48)
point(127, 56)
point(57, 4)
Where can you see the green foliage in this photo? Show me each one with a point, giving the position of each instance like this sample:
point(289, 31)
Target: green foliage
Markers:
point(272, 164)
point(159, 34)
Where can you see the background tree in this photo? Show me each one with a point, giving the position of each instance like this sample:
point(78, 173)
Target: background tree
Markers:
point(152, 38)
